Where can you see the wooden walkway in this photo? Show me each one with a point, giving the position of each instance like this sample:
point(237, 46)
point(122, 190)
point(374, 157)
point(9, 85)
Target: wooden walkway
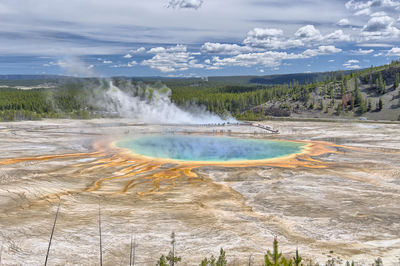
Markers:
point(270, 129)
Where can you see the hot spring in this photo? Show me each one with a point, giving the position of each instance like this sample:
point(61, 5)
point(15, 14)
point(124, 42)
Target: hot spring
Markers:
point(209, 148)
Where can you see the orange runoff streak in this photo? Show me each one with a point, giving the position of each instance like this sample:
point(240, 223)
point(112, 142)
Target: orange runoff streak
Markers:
point(48, 157)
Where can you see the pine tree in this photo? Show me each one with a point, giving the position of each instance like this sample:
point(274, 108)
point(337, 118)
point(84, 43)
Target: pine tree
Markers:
point(378, 262)
point(338, 109)
point(297, 259)
point(170, 259)
point(222, 259)
point(396, 80)
point(356, 84)
point(357, 94)
point(162, 261)
point(363, 106)
point(342, 89)
point(275, 258)
point(171, 256)
point(380, 104)
point(208, 262)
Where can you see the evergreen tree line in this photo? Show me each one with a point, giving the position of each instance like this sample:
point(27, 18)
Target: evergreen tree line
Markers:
point(338, 92)
point(74, 100)
point(272, 257)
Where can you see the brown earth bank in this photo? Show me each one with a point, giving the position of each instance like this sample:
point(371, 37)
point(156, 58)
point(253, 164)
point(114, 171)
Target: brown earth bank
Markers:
point(342, 203)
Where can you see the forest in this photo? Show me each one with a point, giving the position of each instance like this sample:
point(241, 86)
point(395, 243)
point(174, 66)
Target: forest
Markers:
point(272, 257)
point(340, 94)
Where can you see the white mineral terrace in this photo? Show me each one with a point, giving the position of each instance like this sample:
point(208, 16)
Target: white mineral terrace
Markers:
point(341, 204)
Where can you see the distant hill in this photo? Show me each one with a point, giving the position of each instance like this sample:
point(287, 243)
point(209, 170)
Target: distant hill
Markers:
point(29, 77)
point(301, 78)
point(31, 80)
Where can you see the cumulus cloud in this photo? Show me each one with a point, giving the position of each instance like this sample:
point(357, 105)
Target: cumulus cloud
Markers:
point(222, 48)
point(116, 32)
point(361, 5)
point(138, 50)
point(378, 24)
point(343, 22)
point(309, 35)
point(337, 36)
point(378, 14)
point(381, 24)
point(352, 64)
point(321, 50)
point(353, 61)
point(378, 54)
point(357, 5)
point(179, 59)
point(134, 51)
point(380, 27)
point(255, 51)
point(51, 63)
point(395, 51)
point(107, 62)
point(269, 38)
point(265, 33)
point(175, 58)
point(268, 59)
point(271, 58)
point(308, 32)
point(129, 64)
point(363, 52)
point(363, 12)
point(190, 4)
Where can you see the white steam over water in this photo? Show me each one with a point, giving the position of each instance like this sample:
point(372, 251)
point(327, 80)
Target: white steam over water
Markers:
point(153, 105)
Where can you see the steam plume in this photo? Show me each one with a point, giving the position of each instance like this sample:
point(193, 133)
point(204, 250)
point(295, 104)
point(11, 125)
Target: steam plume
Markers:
point(153, 105)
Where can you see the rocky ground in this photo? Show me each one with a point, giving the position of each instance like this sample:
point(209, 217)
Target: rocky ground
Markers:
point(343, 204)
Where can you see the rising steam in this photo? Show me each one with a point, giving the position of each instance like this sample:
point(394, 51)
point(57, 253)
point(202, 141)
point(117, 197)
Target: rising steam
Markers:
point(149, 104)
point(153, 105)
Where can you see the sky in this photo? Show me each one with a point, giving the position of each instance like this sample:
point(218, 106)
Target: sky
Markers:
point(195, 38)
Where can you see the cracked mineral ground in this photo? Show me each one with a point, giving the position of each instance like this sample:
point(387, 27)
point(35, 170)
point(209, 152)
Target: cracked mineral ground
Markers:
point(337, 199)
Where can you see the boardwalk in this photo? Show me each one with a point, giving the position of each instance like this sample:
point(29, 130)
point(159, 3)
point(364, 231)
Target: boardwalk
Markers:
point(270, 129)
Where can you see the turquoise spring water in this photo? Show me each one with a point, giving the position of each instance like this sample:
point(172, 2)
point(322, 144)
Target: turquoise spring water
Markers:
point(207, 148)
